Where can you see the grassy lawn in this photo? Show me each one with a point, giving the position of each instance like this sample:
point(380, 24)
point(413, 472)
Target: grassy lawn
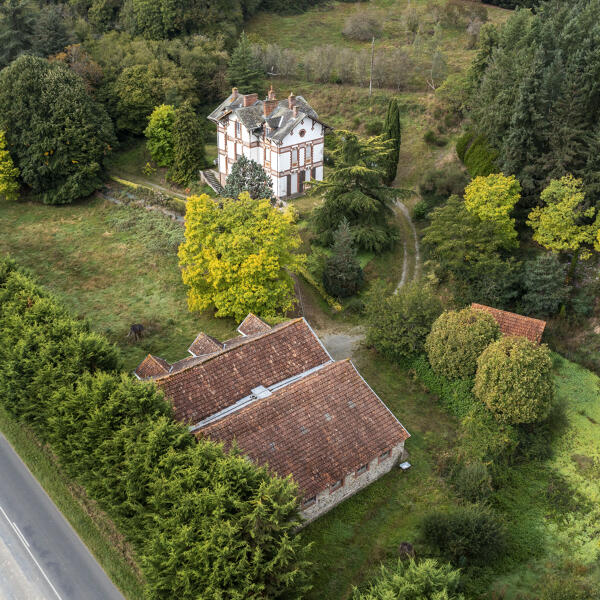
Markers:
point(107, 276)
point(90, 523)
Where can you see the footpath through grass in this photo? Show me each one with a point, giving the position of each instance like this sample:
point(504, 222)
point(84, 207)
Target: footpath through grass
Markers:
point(95, 529)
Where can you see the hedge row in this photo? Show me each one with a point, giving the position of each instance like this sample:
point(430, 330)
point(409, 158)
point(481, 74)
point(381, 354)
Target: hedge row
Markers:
point(204, 523)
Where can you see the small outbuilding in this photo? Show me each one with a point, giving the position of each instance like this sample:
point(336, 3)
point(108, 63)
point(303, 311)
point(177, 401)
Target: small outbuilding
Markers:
point(513, 324)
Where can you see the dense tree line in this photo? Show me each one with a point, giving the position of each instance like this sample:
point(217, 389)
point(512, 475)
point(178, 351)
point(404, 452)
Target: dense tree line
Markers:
point(535, 98)
point(201, 520)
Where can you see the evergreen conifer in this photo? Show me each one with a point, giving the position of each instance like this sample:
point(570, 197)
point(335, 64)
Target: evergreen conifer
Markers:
point(248, 176)
point(244, 69)
point(188, 146)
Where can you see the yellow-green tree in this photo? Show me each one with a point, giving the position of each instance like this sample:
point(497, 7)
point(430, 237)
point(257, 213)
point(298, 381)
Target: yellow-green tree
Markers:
point(9, 184)
point(563, 223)
point(237, 256)
point(493, 198)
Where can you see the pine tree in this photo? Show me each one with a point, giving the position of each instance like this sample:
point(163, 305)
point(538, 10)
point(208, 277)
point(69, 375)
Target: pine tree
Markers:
point(393, 132)
point(544, 285)
point(248, 176)
point(17, 29)
point(244, 70)
point(9, 184)
point(355, 190)
point(343, 275)
point(188, 146)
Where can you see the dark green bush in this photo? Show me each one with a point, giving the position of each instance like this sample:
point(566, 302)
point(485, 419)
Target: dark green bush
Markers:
point(421, 210)
point(480, 158)
point(463, 144)
point(454, 395)
point(466, 535)
point(433, 139)
point(399, 323)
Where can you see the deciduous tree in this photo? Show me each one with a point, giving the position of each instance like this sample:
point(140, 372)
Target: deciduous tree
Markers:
point(9, 174)
point(563, 224)
point(493, 199)
point(159, 135)
point(456, 341)
point(514, 380)
point(399, 323)
point(237, 255)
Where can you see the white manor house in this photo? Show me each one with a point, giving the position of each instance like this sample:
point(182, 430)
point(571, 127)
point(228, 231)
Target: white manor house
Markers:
point(285, 137)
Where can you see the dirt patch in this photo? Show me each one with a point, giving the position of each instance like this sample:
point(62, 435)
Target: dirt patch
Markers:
point(343, 345)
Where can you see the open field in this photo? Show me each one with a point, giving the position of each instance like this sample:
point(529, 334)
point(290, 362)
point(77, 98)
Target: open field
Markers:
point(108, 276)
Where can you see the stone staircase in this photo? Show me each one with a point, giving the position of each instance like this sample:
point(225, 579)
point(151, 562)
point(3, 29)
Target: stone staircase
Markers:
point(211, 178)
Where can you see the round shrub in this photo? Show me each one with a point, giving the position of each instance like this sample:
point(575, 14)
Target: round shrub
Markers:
point(470, 534)
point(514, 380)
point(398, 323)
point(457, 339)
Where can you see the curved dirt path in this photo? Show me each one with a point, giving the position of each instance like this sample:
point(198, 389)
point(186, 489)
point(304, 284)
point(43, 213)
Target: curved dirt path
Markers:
point(414, 251)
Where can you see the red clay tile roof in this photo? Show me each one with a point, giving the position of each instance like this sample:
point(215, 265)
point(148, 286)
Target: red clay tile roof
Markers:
point(514, 324)
point(319, 428)
point(252, 325)
point(229, 375)
point(152, 366)
point(204, 344)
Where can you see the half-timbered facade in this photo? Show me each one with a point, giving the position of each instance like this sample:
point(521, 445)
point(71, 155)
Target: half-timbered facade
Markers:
point(285, 137)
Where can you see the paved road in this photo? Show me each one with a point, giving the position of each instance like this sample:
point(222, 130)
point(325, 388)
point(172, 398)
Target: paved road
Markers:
point(41, 556)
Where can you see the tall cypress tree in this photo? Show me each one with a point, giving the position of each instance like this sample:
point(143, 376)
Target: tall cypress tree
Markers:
point(244, 70)
point(393, 132)
point(188, 146)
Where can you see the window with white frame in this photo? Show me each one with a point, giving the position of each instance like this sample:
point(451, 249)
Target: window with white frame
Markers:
point(294, 157)
point(308, 153)
point(238, 129)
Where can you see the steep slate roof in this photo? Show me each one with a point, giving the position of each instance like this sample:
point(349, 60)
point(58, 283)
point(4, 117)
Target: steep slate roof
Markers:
point(252, 325)
point(204, 344)
point(225, 377)
point(514, 324)
point(280, 122)
point(152, 366)
point(319, 428)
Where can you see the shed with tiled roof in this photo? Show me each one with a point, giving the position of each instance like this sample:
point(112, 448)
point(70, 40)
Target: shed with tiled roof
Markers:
point(513, 324)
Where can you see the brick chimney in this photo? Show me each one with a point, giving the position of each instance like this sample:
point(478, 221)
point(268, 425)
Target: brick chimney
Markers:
point(291, 101)
point(234, 93)
point(249, 99)
point(271, 95)
point(269, 106)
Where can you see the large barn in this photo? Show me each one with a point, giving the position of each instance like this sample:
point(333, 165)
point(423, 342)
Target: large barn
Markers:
point(287, 404)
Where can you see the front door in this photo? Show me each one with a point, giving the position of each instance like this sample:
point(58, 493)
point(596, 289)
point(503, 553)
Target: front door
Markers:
point(301, 179)
point(288, 181)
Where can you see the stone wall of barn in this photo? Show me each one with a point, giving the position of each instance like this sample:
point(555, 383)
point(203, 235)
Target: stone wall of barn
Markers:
point(352, 483)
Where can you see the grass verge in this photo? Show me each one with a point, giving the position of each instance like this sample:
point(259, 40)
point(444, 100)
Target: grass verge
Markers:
point(94, 528)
